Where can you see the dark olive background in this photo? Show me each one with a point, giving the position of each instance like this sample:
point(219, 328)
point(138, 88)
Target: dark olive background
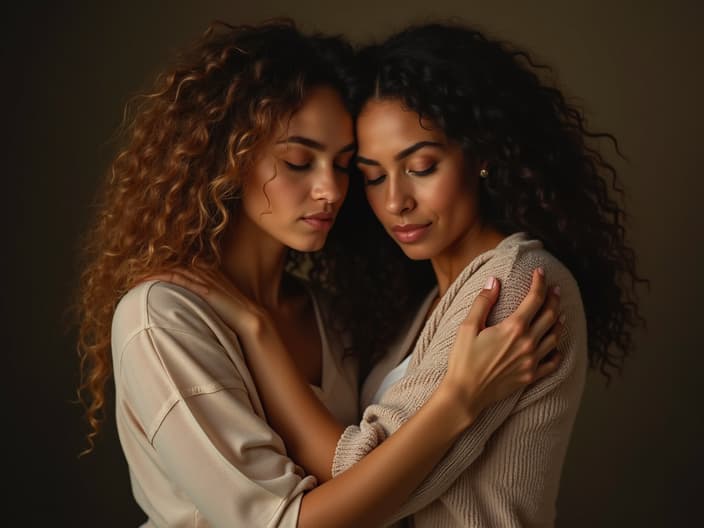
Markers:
point(635, 457)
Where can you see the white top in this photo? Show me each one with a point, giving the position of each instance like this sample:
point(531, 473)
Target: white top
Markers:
point(190, 420)
point(392, 367)
point(392, 377)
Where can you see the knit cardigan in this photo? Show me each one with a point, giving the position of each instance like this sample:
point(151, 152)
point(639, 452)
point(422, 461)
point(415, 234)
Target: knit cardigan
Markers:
point(505, 469)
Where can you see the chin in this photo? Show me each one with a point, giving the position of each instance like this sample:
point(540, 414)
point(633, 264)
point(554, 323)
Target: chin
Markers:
point(416, 252)
point(308, 246)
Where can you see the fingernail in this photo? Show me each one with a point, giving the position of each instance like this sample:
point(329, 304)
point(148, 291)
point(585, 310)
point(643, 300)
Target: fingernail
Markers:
point(541, 271)
point(490, 283)
point(562, 319)
point(556, 290)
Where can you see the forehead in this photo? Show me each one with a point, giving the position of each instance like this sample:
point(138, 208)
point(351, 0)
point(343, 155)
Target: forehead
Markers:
point(387, 126)
point(322, 117)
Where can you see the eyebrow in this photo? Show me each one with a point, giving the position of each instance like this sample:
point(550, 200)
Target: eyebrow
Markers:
point(404, 153)
point(315, 145)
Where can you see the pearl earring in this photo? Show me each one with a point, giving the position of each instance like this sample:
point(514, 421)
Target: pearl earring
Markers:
point(483, 173)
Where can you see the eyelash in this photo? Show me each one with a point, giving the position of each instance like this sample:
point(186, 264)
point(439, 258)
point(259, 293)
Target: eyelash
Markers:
point(297, 168)
point(301, 168)
point(375, 181)
point(424, 172)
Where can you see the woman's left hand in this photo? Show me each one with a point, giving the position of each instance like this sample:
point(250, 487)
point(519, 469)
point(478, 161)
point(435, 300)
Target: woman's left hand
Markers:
point(242, 315)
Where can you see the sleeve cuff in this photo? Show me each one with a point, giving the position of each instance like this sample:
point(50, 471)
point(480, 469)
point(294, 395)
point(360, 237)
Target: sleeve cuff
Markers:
point(355, 443)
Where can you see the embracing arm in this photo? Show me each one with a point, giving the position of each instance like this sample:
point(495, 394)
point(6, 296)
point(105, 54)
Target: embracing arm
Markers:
point(379, 483)
point(372, 490)
point(376, 486)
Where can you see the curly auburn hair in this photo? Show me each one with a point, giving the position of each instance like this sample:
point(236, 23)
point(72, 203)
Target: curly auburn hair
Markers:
point(171, 191)
point(545, 176)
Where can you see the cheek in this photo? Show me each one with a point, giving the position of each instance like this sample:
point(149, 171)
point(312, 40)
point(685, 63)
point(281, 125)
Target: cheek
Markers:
point(375, 198)
point(341, 187)
point(254, 184)
point(276, 193)
point(451, 192)
point(253, 201)
point(440, 199)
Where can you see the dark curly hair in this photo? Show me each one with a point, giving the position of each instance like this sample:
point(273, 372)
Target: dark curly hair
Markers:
point(172, 189)
point(545, 175)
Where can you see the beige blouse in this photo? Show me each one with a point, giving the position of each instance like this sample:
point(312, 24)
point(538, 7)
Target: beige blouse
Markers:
point(190, 421)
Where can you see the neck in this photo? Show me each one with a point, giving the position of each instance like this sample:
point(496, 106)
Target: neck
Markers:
point(254, 262)
point(450, 263)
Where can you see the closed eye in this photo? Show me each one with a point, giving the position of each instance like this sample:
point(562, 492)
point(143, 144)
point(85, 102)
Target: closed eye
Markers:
point(374, 181)
point(424, 172)
point(295, 167)
point(343, 169)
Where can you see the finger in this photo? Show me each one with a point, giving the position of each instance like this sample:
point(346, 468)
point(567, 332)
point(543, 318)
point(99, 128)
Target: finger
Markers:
point(483, 303)
point(547, 316)
point(550, 341)
point(548, 367)
point(534, 300)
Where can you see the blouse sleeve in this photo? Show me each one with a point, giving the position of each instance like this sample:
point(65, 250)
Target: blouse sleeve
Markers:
point(404, 398)
point(187, 398)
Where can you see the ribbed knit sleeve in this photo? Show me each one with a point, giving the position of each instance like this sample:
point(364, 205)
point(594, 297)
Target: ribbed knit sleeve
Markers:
point(517, 443)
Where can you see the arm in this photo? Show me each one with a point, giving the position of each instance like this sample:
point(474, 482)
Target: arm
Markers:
point(400, 400)
point(225, 459)
point(383, 479)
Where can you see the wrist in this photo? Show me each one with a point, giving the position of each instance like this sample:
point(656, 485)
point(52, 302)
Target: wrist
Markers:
point(456, 406)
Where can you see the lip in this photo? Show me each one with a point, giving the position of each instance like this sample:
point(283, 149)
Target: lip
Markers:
point(319, 221)
point(408, 233)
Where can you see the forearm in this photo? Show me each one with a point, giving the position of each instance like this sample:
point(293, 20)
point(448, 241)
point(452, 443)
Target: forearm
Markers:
point(375, 487)
point(308, 429)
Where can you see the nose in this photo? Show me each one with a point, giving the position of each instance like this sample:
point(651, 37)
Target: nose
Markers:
point(330, 185)
point(398, 199)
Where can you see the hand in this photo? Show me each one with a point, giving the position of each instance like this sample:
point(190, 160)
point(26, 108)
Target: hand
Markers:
point(242, 315)
point(489, 364)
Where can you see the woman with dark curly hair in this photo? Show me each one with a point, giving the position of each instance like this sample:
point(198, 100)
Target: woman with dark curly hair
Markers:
point(471, 162)
point(237, 158)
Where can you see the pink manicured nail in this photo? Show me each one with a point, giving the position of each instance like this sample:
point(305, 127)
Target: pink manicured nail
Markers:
point(541, 271)
point(562, 319)
point(556, 290)
point(490, 283)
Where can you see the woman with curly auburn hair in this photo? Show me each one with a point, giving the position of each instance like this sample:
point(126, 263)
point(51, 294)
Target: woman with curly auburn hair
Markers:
point(471, 162)
point(235, 165)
